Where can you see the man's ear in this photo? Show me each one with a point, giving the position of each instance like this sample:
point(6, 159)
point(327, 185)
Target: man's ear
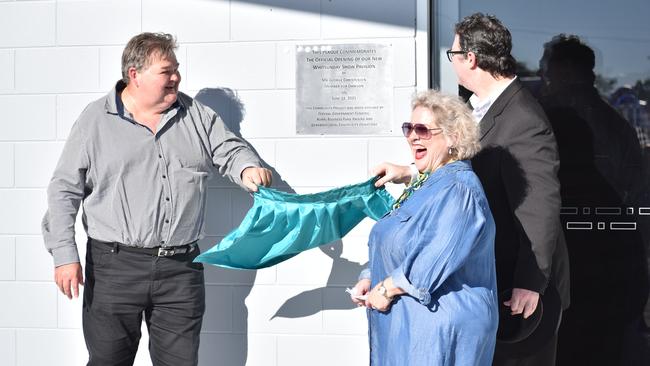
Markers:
point(133, 76)
point(471, 59)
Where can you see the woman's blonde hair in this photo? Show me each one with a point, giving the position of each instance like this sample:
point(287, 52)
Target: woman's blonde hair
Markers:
point(454, 118)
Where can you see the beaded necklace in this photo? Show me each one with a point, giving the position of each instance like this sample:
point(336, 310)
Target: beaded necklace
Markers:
point(408, 191)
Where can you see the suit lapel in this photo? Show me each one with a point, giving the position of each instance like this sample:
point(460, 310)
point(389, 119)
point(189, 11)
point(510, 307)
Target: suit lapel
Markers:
point(489, 120)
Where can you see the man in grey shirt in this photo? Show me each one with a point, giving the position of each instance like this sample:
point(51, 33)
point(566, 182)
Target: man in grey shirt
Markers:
point(138, 160)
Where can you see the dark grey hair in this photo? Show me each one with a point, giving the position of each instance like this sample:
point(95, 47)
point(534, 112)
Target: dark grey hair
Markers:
point(140, 49)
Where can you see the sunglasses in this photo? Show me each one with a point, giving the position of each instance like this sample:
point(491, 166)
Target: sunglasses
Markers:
point(421, 130)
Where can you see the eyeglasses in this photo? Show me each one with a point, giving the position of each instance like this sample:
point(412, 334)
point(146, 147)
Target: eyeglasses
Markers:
point(451, 53)
point(421, 130)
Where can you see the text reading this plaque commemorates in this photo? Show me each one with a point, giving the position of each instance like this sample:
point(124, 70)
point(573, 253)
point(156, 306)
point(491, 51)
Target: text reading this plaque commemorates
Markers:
point(344, 89)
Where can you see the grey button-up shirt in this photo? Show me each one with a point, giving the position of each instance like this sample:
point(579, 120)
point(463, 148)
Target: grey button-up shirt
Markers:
point(139, 188)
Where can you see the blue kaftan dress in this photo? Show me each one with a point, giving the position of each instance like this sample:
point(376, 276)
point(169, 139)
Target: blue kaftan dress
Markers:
point(439, 247)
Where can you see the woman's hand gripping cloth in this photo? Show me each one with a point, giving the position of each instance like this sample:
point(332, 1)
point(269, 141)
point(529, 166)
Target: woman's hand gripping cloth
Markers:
point(280, 225)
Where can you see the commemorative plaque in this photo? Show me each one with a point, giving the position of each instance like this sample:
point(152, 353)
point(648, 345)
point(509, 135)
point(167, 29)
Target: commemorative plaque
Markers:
point(344, 89)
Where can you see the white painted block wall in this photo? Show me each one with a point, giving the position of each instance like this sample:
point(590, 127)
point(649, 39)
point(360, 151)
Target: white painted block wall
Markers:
point(57, 56)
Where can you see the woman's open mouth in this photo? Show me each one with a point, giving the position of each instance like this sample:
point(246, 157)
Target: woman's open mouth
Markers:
point(420, 153)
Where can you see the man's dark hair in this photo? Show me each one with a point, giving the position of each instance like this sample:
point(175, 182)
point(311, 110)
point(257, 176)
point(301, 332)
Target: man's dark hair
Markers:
point(490, 41)
point(567, 60)
point(142, 47)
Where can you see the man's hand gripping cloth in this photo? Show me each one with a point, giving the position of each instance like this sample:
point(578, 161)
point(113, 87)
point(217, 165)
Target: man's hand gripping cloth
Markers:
point(281, 225)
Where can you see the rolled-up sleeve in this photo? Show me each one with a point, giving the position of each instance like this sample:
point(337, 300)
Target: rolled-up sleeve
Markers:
point(365, 274)
point(65, 193)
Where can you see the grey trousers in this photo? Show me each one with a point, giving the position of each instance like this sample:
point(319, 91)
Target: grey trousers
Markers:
point(121, 286)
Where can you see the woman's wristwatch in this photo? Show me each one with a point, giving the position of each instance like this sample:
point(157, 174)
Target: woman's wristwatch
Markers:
point(383, 291)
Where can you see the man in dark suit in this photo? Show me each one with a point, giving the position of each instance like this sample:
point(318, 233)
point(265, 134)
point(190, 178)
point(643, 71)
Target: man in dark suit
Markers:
point(518, 167)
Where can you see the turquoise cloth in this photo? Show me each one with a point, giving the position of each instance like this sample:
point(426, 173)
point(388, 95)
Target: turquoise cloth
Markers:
point(281, 225)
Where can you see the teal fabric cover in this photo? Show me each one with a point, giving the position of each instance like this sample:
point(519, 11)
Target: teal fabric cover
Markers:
point(281, 225)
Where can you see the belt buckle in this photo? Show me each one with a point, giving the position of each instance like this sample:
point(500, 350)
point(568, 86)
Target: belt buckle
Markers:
point(165, 252)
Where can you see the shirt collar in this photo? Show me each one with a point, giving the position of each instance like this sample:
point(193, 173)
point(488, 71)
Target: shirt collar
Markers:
point(480, 107)
point(114, 104)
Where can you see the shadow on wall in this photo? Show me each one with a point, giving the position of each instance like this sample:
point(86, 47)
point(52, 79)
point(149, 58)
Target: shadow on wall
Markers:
point(373, 11)
point(226, 103)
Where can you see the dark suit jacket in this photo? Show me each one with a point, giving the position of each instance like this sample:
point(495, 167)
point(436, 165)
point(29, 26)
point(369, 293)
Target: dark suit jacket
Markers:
point(518, 167)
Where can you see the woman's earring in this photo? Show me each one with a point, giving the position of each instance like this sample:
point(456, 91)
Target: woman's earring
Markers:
point(451, 151)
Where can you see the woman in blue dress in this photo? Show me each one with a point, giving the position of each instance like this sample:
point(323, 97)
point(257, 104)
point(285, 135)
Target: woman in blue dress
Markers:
point(431, 280)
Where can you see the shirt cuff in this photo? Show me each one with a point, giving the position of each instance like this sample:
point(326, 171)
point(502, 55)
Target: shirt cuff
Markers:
point(65, 255)
point(399, 280)
point(364, 275)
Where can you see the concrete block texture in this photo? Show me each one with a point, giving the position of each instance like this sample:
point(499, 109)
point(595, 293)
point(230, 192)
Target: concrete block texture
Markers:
point(21, 211)
point(322, 161)
point(33, 262)
point(294, 350)
point(35, 163)
point(28, 305)
point(275, 20)
point(268, 113)
point(237, 349)
point(8, 259)
point(8, 347)
point(27, 24)
point(28, 117)
point(67, 70)
point(191, 21)
point(367, 18)
point(6, 165)
point(270, 311)
point(231, 65)
point(99, 22)
point(6, 70)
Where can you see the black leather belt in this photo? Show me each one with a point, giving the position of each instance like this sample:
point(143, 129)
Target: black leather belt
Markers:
point(155, 251)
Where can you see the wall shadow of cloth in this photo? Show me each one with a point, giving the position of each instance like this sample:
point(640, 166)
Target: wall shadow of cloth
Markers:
point(227, 104)
point(332, 296)
point(600, 166)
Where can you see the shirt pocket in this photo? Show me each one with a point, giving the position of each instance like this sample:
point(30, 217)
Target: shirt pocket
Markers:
point(402, 216)
point(193, 169)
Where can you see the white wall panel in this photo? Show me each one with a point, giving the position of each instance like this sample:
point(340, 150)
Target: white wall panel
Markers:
point(8, 347)
point(189, 20)
point(368, 18)
point(68, 69)
point(21, 211)
point(274, 20)
point(35, 163)
point(6, 165)
point(27, 117)
point(30, 305)
point(27, 24)
point(33, 262)
point(8, 259)
point(96, 22)
point(6, 70)
point(231, 65)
